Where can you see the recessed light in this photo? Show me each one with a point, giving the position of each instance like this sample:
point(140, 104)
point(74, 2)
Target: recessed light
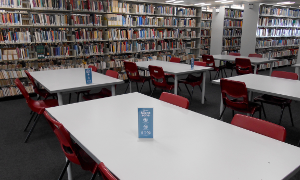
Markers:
point(226, 1)
point(178, 2)
point(286, 2)
point(170, 1)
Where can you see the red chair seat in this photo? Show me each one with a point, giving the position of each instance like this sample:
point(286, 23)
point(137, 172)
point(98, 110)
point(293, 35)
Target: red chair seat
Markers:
point(191, 80)
point(252, 107)
point(141, 79)
point(39, 106)
point(103, 93)
point(45, 94)
point(273, 100)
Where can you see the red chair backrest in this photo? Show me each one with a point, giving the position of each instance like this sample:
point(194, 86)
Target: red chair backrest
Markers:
point(234, 54)
point(209, 60)
point(111, 73)
point(284, 74)
point(236, 90)
point(255, 55)
point(23, 91)
point(175, 60)
point(175, 100)
point(52, 122)
point(157, 73)
point(94, 68)
point(106, 174)
point(260, 126)
point(243, 66)
point(35, 88)
point(131, 70)
point(199, 63)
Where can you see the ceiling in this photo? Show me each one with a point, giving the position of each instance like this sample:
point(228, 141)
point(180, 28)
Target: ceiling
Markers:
point(236, 2)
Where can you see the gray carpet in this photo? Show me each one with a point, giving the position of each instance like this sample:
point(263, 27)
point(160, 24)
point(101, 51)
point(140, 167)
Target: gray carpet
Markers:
point(42, 157)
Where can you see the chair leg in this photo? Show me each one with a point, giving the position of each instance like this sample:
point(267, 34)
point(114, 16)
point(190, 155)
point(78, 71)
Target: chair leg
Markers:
point(291, 115)
point(70, 95)
point(149, 85)
point(31, 112)
point(221, 72)
point(142, 87)
point(32, 116)
point(31, 130)
point(222, 112)
point(152, 91)
point(201, 92)
point(282, 109)
point(64, 170)
point(263, 108)
point(209, 75)
point(231, 72)
point(94, 175)
point(127, 88)
point(188, 91)
point(217, 73)
point(225, 73)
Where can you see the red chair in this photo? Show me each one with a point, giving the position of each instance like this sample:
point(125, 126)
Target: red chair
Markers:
point(260, 126)
point(243, 66)
point(41, 92)
point(73, 152)
point(235, 97)
point(158, 79)
point(94, 69)
point(175, 100)
point(230, 65)
point(104, 91)
point(210, 62)
point(38, 107)
point(105, 173)
point(278, 101)
point(174, 60)
point(234, 54)
point(255, 55)
point(133, 75)
point(193, 80)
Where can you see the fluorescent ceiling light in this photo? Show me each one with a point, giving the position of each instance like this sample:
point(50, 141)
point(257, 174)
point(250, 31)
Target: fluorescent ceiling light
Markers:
point(226, 1)
point(199, 4)
point(287, 2)
point(170, 1)
point(178, 1)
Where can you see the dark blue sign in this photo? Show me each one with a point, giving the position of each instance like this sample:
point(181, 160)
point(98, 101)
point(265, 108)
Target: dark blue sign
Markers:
point(192, 63)
point(88, 76)
point(145, 122)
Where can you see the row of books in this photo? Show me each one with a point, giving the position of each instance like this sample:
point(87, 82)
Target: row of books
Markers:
point(11, 74)
point(205, 24)
point(232, 23)
point(277, 32)
point(10, 18)
point(49, 36)
point(11, 3)
point(231, 42)
point(14, 91)
point(50, 19)
point(88, 49)
point(49, 4)
point(205, 42)
point(280, 53)
point(232, 32)
point(277, 42)
point(205, 32)
point(233, 13)
point(57, 51)
point(8, 36)
point(186, 11)
point(206, 16)
point(266, 21)
point(279, 11)
point(10, 54)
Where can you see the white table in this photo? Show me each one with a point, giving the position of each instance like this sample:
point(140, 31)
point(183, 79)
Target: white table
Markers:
point(186, 145)
point(280, 87)
point(254, 60)
point(297, 66)
point(72, 80)
point(176, 69)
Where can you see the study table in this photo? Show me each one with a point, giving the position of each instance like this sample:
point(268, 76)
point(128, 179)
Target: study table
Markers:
point(72, 80)
point(176, 69)
point(186, 144)
point(254, 60)
point(297, 66)
point(280, 87)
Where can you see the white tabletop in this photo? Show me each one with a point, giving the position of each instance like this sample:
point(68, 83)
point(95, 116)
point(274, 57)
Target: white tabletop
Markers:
point(254, 60)
point(281, 87)
point(67, 80)
point(186, 145)
point(172, 68)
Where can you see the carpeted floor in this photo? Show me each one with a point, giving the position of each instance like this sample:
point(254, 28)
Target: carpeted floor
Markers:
point(42, 157)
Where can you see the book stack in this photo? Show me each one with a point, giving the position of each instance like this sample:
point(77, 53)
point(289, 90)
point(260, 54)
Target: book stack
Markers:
point(233, 13)
point(82, 19)
point(11, 3)
point(8, 36)
point(206, 16)
point(232, 23)
point(232, 32)
point(10, 19)
point(49, 4)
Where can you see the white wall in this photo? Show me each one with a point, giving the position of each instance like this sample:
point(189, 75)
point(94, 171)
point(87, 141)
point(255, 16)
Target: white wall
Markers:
point(248, 40)
point(217, 27)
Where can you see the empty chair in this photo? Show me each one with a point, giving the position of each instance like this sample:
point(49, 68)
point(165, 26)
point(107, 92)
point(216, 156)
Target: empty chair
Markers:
point(193, 80)
point(173, 60)
point(41, 92)
point(235, 97)
point(210, 62)
point(37, 107)
point(158, 79)
point(234, 54)
point(260, 126)
point(243, 66)
point(175, 100)
point(72, 151)
point(230, 65)
point(255, 55)
point(133, 75)
point(278, 101)
point(105, 173)
point(104, 91)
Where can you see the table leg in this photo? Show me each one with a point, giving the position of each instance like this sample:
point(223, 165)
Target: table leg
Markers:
point(69, 169)
point(221, 107)
point(271, 67)
point(113, 90)
point(297, 71)
point(130, 86)
point(203, 87)
point(255, 68)
point(175, 84)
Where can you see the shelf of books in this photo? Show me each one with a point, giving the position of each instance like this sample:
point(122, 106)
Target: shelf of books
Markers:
point(232, 32)
point(205, 32)
point(278, 33)
point(50, 34)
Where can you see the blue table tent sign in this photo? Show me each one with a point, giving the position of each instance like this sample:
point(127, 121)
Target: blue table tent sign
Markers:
point(88, 76)
point(145, 118)
point(192, 63)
